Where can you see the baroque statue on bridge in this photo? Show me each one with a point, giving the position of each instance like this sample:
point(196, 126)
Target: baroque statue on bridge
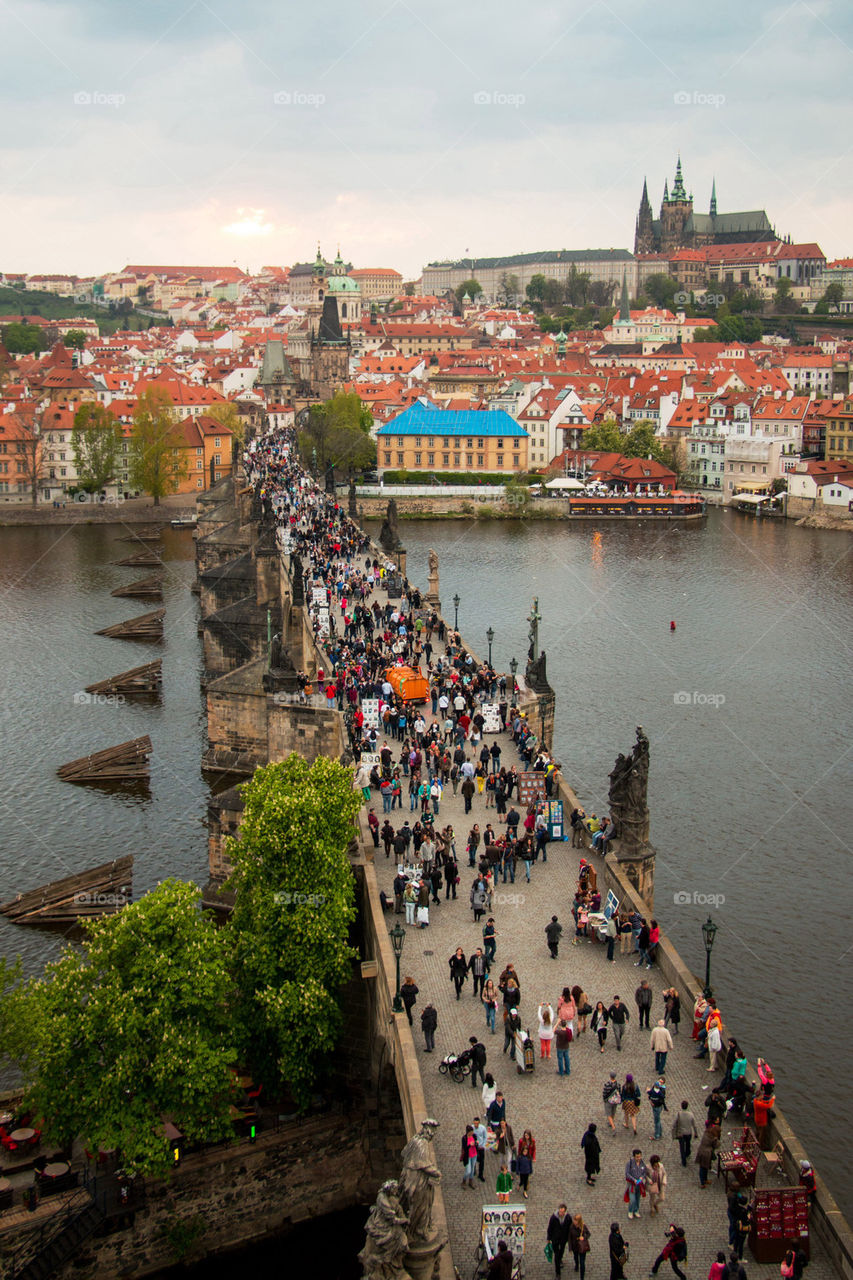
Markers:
point(628, 800)
point(418, 1180)
point(387, 1242)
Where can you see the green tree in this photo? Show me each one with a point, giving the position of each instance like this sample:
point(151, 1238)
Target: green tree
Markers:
point(157, 459)
point(472, 287)
point(661, 288)
point(227, 415)
point(338, 433)
point(577, 287)
point(536, 288)
point(641, 442)
point(409, 289)
point(517, 495)
point(510, 286)
point(24, 339)
point(833, 293)
point(605, 436)
point(96, 440)
point(75, 338)
point(782, 296)
point(132, 1026)
point(295, 902)
point(601, 292)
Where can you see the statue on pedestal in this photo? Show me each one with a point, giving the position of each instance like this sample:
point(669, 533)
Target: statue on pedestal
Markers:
point(432, 589)
point(389, 536)
point(386, 1244)
point(629, 807)
point(419, 1178)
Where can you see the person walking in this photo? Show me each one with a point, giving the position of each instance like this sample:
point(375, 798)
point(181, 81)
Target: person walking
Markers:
point(704, 1157)
point(657, 1097)
point(630, 1096)
point(617, 1017)
point(617, 1249)
point(591, 1148)
point(684, 1131)
point(546, 1029)
point(661, 1042)
point(579, 1243)
point(478, 1061)
point(490, 939)
point(481, 1134)
point(503, 1186)
point(558, 1237)
point(506, 1141)
point(479, 898)
point(489, 1092)
point(643, 998)
point(553, 933)
point(468, 1157)
point(429, 1022)
point(657, 1185)
point(512, 1027)
point(636, 1175)
point(524, 1160)
point(489, 997)
point(610, 932)
point(672, 1004)
point(479, 968)
point(562, 1040)
point(409, 994)
point(674, 1251)
point(599, 1023)
point(458, 970)
point(410, 901)
point(612, 1097)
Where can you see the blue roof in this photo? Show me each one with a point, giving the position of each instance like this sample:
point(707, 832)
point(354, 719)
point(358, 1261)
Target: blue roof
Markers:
point(420, 420)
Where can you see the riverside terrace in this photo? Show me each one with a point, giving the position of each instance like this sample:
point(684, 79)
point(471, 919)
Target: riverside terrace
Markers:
point(557, 1110)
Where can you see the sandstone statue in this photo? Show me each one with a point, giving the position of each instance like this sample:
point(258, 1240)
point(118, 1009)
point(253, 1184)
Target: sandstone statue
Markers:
point(629, 807)
point(418, 1180)
point(386, 1243)
point(389, 536)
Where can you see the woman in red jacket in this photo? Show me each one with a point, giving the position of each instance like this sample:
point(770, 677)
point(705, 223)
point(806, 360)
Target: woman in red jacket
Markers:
point(524, 1158)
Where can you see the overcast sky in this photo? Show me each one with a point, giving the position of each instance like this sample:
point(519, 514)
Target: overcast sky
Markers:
point(181, 131)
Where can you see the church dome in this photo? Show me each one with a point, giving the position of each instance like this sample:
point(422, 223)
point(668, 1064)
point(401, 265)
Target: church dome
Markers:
point(342, 284)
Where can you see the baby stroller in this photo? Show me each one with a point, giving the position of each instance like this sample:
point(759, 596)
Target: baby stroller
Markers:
point(525, 1055)
point(457, 1066)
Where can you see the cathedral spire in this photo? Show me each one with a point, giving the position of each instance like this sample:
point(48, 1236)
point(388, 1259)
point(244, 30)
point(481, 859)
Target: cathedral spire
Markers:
point(624, 308)
point(713, 208)
point(665, 191)
point(678, 192)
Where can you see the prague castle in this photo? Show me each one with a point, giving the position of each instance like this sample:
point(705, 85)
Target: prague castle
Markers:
point(678, 227)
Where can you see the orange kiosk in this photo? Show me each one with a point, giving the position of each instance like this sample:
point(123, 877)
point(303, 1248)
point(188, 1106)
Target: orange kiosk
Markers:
point(408, 684)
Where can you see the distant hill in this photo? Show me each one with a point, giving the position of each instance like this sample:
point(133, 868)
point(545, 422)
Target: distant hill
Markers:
point(29, 302)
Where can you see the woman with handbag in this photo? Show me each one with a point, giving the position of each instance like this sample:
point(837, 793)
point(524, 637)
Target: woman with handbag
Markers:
point(524, 1159)
point(618, 1250)
point(458, 970)
point(468, 1157)
point(579, 1243)
point(599, 1023)
point(489, 996)
point(631, 1098)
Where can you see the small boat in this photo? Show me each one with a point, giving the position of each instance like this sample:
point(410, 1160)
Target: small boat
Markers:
point(184, 522)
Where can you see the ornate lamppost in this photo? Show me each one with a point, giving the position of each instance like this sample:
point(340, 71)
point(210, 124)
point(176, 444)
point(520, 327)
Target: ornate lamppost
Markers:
point(490, 635)
point(398, 937)
point(456, 604)
point(709, 933)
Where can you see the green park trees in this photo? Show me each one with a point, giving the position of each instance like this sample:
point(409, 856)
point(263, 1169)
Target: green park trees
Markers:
point(157, 461)
point(337, 434)
point(96, 440)
point(130, 1027)
point(295, 902)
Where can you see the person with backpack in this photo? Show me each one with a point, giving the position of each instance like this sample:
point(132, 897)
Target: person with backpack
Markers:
point(631, 1099)
point(675, 1251)
point(611, 1096)
point(657, 1097)
point(562, 1040)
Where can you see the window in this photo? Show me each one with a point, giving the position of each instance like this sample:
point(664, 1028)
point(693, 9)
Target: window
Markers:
point(500, 445)
point(469, 460)
point(217, 442)
point(399, 442)
point(430, 459)
point(400, 457)
point(430, 442)
point(63, 471)
point(199, 452)
point(481, 460)
point(199, 464)
point(456, 460)
point(417, 459)
point(447, 444)
point(500, 459)
point(199, 484)
point(387, 459)
point(445, 459)
point(417, 442)
point(481, 444)
point(470, 444)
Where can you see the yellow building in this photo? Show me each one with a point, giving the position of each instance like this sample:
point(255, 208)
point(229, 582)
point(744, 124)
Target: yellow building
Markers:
point(472, 440)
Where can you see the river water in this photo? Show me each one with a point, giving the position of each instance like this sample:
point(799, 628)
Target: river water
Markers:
point(747, 705)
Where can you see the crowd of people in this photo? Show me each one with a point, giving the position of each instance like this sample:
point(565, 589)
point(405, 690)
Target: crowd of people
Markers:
point(407, 758)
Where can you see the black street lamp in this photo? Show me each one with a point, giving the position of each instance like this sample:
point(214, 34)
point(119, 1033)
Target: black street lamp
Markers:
point(456, 604)
point(398, 937)
point(709, 933)
point(490, 635)
point(513, 667)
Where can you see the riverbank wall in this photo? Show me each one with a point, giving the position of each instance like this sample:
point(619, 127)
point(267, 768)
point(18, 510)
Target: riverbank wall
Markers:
point(483, 506)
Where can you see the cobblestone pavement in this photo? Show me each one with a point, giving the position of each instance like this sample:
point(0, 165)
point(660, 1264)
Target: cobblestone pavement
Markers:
point(556, 1109)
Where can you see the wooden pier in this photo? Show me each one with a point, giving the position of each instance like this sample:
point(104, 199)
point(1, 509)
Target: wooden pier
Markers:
point(146, 626)
point(143, 559)
point(144, 679)
point(127, 762)
point(103, 890)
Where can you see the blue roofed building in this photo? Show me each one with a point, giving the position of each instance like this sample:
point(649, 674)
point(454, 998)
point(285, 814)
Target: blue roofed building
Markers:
point(423, 438)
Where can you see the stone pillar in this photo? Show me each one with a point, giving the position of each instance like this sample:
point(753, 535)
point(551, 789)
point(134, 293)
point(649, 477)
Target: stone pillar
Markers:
point(641, 873)
point(420, 1258)
point(432, 595)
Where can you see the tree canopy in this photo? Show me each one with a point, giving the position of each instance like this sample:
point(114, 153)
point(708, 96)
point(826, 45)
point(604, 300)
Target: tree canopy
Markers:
point(338, 433)
point(226, 414)
point(24, 339)
point(472, 287)
point(96, 440)
point(133, 1026)
point(157, 461)
point(75, 338)
point(661, 288)
point(294, 905)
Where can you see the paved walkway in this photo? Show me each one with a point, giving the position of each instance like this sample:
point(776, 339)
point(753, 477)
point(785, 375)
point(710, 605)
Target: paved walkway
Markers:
point(557, 1110)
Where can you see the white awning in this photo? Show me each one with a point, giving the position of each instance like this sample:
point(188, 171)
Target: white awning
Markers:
point(565, 482)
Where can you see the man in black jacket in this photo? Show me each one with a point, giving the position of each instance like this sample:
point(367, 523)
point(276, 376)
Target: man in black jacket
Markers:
point(478, 1061)
point(553, 932)
point(478, 966)
point(617, 1016)
point(558, 1235)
